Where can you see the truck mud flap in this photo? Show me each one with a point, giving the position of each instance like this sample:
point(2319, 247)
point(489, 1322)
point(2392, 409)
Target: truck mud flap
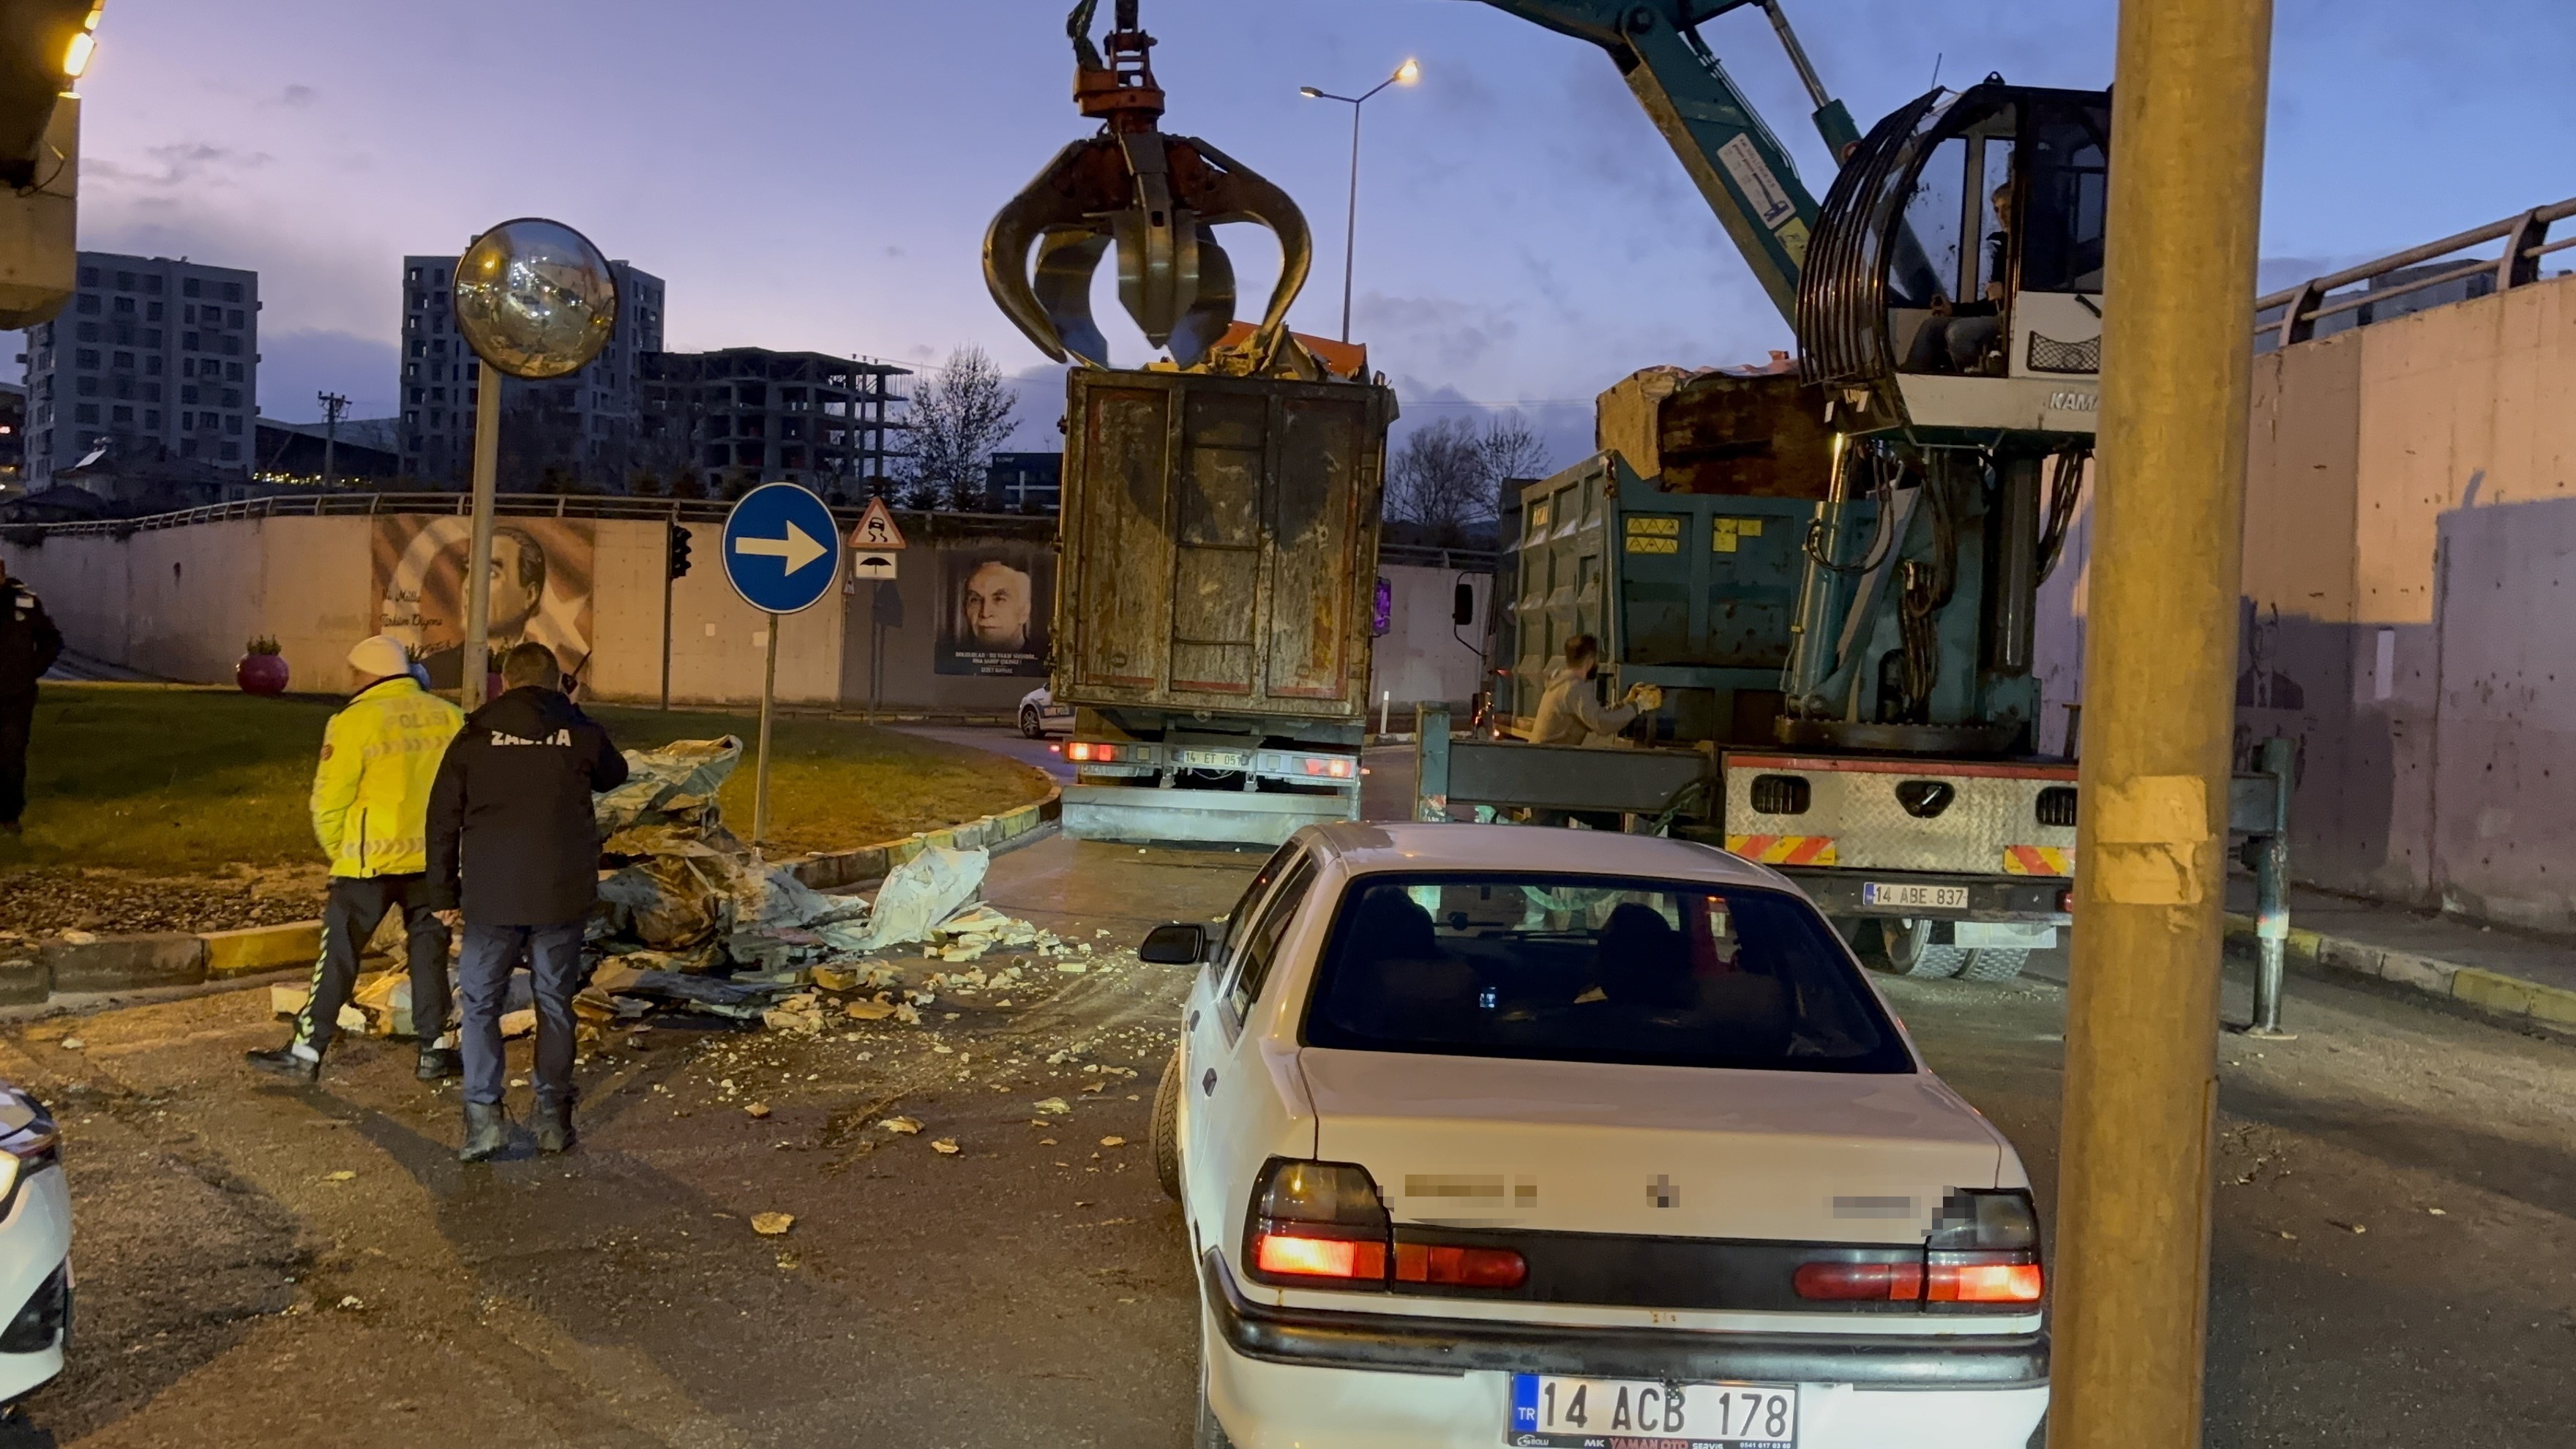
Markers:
point(1210, 817)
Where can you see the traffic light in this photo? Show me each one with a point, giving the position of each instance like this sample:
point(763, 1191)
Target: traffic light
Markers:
point(679, 561)
point(44, 46)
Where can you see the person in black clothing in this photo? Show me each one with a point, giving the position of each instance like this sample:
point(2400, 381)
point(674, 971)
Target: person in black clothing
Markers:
point(29, 645)
point(511, 830)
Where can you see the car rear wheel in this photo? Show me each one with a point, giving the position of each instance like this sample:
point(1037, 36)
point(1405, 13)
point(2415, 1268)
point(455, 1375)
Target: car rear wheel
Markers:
point(1032, 724)
point(1987, 963)
point(1912, 952)
point(1167, 1128)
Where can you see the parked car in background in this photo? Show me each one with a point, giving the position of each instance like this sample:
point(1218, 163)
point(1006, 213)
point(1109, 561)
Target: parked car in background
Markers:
point(35, 1248)
point(1039, 711)
point(1490, 1135)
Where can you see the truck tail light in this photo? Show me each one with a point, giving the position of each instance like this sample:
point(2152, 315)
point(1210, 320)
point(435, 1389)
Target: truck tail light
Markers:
point(1317, 1224)
point(1984, 1248)
point(1337, 769)
point(1096, 753)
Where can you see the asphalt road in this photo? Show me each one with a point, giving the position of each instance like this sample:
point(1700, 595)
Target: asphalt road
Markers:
point(1031, 1289)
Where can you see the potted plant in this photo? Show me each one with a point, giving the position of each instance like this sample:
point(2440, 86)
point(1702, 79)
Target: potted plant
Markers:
point(262, 669)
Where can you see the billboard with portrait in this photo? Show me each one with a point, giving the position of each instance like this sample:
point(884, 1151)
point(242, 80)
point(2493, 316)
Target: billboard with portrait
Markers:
point(539, 588)
point(996, 599)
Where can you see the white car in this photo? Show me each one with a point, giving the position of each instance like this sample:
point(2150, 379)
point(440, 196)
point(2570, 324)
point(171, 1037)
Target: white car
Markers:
point(1038, 709)
point(1487, 1135)
point(35, 1248)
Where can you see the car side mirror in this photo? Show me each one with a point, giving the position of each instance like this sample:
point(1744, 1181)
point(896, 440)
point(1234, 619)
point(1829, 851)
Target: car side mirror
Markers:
point(1181, 943)
point(1462, 605)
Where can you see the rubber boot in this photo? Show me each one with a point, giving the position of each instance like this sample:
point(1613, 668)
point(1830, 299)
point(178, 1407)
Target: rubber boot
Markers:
point(437, 1062)
point(554, 1127)
point(487, 1132)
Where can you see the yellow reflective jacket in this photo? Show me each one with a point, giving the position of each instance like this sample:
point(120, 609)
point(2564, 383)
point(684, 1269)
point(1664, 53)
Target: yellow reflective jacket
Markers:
point(371, 795)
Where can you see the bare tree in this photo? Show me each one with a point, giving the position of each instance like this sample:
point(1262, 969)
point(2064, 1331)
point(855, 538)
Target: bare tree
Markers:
point(1438, 479)
point(1451, 474)
point(960, 412)
point(1512, 452)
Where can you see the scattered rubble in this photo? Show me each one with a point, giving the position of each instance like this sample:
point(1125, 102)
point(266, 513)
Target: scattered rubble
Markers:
point(772, 1225)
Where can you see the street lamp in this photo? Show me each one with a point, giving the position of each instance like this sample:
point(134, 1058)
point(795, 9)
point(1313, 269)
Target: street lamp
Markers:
point(1405, 74)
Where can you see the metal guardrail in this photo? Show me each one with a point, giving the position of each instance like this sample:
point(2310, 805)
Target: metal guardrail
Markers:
point(1418, 555)
point(508, 505)
point(2525, 239)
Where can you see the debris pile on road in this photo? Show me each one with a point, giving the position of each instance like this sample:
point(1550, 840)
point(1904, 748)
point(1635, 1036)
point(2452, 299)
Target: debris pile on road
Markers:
point(693, 919)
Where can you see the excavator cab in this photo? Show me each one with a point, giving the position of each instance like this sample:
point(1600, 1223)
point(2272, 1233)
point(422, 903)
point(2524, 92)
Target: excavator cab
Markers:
point(1953, 288)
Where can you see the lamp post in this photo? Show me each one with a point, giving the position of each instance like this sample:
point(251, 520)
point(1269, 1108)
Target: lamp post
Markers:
point(1405, 74)
point(535, 300)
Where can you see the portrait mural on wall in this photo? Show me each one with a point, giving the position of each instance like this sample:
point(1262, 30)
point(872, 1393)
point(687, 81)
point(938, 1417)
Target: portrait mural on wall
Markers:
point(539, 589)
point(996, 601)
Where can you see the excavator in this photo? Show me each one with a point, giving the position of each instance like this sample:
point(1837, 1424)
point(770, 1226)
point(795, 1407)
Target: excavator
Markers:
point(1828, 577)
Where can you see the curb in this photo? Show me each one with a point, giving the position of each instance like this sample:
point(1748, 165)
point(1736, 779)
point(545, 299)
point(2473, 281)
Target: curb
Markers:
point(2492, 992)
point(834, 869)
point(180, 959)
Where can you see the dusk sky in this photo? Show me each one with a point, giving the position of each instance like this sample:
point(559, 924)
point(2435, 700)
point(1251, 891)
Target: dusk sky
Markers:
point(818, 175)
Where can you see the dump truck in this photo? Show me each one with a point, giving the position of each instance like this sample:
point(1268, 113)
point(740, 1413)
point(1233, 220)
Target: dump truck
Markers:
point(1219, 546)
point(1218, 536)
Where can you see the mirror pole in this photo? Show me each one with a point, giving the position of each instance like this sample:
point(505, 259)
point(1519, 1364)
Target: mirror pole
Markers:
point(477, 584)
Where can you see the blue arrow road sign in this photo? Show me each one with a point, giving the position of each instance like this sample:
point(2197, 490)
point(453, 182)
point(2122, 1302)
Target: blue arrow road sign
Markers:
point(781, 548)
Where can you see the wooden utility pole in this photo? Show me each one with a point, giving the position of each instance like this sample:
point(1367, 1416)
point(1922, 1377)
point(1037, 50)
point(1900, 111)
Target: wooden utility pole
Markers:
point(2132, 1283)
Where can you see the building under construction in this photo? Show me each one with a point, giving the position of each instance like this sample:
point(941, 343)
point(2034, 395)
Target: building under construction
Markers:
point(744, 416)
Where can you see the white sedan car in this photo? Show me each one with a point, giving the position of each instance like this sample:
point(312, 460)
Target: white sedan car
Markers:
point(1488, 1135)
point(35, 1248)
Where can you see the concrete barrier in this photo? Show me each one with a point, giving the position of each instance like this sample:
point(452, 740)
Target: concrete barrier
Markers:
point(257, 949)
point(125, 963)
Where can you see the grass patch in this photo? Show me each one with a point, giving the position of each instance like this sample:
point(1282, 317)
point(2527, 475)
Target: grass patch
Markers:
point(176, 779)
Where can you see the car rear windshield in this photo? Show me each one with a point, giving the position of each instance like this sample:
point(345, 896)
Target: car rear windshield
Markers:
point(1595, 969)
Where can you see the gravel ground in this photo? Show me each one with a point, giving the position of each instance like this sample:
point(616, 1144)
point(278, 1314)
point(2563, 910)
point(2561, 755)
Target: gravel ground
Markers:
point(38, 901)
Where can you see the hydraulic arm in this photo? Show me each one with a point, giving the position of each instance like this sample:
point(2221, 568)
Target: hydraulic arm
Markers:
point(1739, 166)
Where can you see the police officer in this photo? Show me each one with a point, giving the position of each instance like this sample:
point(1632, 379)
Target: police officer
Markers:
point(380, 756)
point(29, 645)
point(512, 826)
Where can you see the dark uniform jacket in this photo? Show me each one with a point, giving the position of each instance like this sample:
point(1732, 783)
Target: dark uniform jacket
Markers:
point(511, 813)
point(29, 642)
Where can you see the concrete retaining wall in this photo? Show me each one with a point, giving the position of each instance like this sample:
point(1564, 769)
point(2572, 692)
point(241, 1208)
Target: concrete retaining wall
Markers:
point(181, 603)
point(2410, 560)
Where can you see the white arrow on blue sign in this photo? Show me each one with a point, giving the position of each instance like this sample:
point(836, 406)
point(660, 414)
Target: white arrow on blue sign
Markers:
point(781, 548)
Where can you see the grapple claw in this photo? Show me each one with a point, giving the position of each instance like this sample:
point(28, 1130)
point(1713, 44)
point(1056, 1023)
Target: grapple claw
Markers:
point(1156, 198)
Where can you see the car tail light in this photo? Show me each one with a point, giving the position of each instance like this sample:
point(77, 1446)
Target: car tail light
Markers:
point(1319, 1224)
point(1984, 1248)
point(1859, 1282)
point(1460, 1267)
point(1291, 1254)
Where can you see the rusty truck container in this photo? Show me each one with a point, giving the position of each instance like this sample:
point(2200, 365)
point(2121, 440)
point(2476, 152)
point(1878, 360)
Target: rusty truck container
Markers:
point(1219, 563)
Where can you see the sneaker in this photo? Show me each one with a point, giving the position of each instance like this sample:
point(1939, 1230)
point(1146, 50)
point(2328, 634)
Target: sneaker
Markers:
point(285, 1062)
point(438, 1063)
